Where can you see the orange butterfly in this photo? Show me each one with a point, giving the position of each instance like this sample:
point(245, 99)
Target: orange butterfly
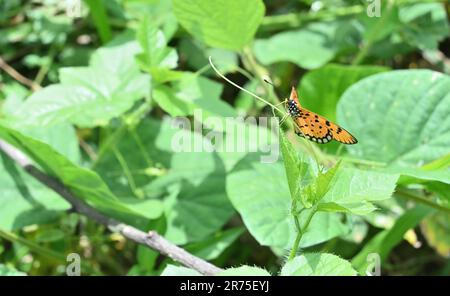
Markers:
point(315, 127)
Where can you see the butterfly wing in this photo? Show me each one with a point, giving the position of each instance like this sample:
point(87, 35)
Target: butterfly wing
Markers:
point(318, 129)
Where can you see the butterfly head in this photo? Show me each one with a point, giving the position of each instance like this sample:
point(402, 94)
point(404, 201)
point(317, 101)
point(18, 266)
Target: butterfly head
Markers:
point(293, 105)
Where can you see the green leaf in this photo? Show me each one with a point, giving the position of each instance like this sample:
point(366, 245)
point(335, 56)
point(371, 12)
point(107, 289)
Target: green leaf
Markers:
point(315, 191)
point(318, 264)
point(229, 24)
point(321, 89)
point(98, 11)
point(156, 57)
point(197, 55)
point(425, 24)
point(62, 137)
point(386, 240)
point(172, 270)
point(159, 11)
point(83, 183)
point(310, 47)
point(166, 99)
point(210, 248)
point(244, 270)
point(6, 270)
point(90, 96)
point(265, 208)
point(50, 235)
point(399, 118)
point(23, 200)
point(354, 190)
point(295, 168)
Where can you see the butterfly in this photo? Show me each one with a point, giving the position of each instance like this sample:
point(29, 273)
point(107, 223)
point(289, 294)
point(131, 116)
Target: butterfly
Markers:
point(313, 126)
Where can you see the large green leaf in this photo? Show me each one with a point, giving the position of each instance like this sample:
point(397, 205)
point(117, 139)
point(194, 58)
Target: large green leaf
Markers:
point(309, 47)
point(353, 190)
point(90, 96)
point(321, 89)
point(318, 264)
point(84, 183)
point(400, 118)
point(265, 208)
point(229, 24)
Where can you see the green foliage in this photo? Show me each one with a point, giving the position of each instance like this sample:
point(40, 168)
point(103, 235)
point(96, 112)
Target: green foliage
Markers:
point(384, 241)
point(90, 96)
point(265, 207)
point(321, 94)
point(9, 271)
point(84, 183)
point(414, 116)
point(227, 24)
point(92, 101)
point(310, 47)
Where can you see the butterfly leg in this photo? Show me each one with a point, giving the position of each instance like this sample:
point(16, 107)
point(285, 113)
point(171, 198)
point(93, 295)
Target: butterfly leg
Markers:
point(284, 118)
point(280, 103)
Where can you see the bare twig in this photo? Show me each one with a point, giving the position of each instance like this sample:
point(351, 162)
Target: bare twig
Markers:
point(151, 239)
point(17, 76)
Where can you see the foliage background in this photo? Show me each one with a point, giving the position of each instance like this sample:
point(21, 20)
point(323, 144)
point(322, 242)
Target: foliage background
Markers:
point(87, 103)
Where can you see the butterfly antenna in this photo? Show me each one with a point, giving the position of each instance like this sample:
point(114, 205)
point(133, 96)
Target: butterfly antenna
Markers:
point(240, 87)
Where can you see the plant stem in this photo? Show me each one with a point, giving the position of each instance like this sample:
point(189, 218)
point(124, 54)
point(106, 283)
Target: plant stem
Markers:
point(420, 199)
point(295, 20)
point(100, 17)
point(129, 123)
point(300, 232)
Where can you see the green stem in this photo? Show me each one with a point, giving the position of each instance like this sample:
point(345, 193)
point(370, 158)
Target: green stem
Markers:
point(300, 232)
point(127, 172)
point(420, 199)
point(43, 70)
point(100, 18)
point(129, 123)
point(295, 20)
